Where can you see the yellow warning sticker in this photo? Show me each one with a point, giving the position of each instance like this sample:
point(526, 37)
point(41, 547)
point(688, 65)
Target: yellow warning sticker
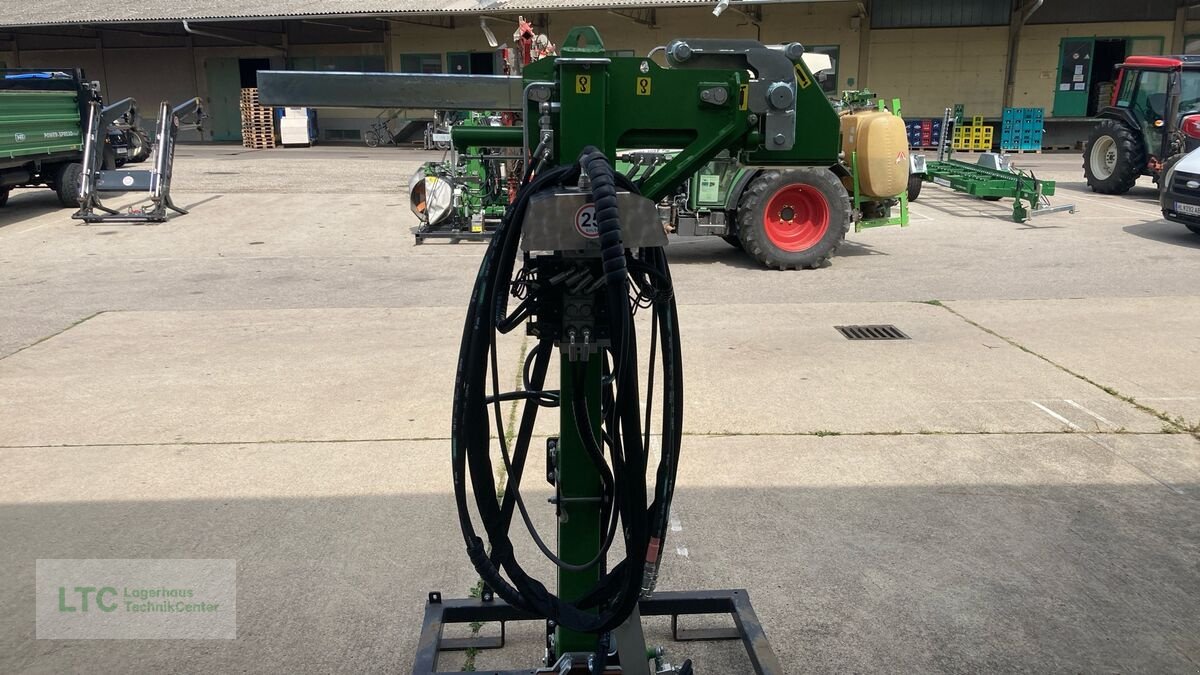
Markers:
point(744, 97)
point(802, 77)
point(643, 86)
point(583, 84)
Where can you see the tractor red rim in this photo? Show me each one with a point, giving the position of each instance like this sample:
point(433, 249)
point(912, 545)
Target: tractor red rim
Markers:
point(797, 217)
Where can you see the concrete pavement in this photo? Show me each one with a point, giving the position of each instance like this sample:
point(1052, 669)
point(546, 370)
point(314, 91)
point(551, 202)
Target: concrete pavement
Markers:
point(268, 379)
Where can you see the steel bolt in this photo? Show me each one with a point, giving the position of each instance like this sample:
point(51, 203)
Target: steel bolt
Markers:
point(779, 139)
point(794, 51)
point(780, 95)
point(680, 51)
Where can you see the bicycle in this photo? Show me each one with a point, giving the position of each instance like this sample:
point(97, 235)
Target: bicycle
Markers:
point(380, 132)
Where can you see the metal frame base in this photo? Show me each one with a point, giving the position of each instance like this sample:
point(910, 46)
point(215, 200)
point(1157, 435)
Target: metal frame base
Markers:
point(156, 214)
point(453, 235)
point(736, 603)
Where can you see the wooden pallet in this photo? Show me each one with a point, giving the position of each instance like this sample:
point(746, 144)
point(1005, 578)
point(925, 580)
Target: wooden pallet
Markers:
point(259, 144)
point(1017, 151)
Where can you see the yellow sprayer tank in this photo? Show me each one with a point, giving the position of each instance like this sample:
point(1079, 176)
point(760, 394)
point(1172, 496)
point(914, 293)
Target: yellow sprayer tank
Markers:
point(881, 141)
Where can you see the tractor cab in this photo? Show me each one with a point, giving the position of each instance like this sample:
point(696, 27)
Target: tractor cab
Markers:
point(1154, 116)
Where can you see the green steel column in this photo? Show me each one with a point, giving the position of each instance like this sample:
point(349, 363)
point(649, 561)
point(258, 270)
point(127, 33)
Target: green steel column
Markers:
point(583, 92)
point(579, 526)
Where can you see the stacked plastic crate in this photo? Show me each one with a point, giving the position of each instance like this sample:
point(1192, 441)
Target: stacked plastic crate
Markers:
point(974, 136)
point(1022, 129)
point(924, 133)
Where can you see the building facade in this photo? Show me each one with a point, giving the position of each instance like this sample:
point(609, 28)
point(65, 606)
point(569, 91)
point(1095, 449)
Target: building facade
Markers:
point(985, 54)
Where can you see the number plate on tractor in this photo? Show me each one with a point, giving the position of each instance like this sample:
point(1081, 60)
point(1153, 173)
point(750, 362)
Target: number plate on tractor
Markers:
point(1187, 209)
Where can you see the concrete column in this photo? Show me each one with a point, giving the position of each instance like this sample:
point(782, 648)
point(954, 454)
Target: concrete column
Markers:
point(1020, 14)
point(864, 44)
point(1178, 35)
point(389, 54)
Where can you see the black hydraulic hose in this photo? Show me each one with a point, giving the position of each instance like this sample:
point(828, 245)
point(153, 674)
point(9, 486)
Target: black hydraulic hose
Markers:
point(583, 423)
point(616, 594)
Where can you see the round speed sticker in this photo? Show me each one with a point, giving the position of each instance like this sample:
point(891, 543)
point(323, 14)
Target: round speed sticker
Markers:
point(127, 181)
point(585, 221)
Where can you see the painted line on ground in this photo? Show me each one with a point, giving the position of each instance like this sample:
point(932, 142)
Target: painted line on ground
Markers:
point(1109, 203)
point(1056, 416)
point(913, 212)
point(1088, 412)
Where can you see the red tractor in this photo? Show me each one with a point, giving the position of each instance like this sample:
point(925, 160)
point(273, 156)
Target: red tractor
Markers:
point(1153, 119)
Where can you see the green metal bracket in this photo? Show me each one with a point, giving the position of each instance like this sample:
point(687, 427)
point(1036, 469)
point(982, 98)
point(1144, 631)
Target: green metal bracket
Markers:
point(592, 45)
point(860, 199)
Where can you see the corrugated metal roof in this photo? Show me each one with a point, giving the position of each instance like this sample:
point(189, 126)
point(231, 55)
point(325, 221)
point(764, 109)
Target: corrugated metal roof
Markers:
point(59, 12)
point(936, 13)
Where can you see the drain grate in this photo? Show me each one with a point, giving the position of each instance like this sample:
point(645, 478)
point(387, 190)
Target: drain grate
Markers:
point(888, 332)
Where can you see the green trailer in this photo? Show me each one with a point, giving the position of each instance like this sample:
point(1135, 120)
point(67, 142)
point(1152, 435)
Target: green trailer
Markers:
point(42, 115)
point(991, 178)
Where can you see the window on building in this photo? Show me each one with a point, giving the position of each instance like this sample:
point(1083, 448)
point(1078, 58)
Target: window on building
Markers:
point(828, 79)
point(421, 63)
point(368, 63)
point(473, 63)
point(343, 135)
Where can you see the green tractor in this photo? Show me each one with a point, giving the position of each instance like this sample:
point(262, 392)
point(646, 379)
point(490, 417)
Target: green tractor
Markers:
point(785, 218)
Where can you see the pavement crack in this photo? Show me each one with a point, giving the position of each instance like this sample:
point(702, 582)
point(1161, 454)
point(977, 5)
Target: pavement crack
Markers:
point(1170, 424)
point(1121, 458)
point(55, 334)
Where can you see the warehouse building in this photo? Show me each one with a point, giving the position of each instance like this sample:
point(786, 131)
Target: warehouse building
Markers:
point(985, 54)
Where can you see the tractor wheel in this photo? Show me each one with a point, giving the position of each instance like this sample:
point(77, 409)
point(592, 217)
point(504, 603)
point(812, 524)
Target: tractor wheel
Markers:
point(4, 195)
point(1113, 158)
point(915, 181)
point(140, 146)
point(66, 184)
point(732, 240)
point(793, 219)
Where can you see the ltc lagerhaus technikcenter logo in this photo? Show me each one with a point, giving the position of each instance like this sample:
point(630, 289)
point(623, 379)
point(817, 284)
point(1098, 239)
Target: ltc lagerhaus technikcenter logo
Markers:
point(136, 599)
point(109, 599)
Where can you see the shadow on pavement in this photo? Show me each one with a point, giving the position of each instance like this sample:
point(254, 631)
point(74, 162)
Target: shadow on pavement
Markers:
point(937, 578)
point(24, 204)
point(962, 205)
point(851, 249)
point(1166, 232)
point(707, 251)
point(713, 251)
